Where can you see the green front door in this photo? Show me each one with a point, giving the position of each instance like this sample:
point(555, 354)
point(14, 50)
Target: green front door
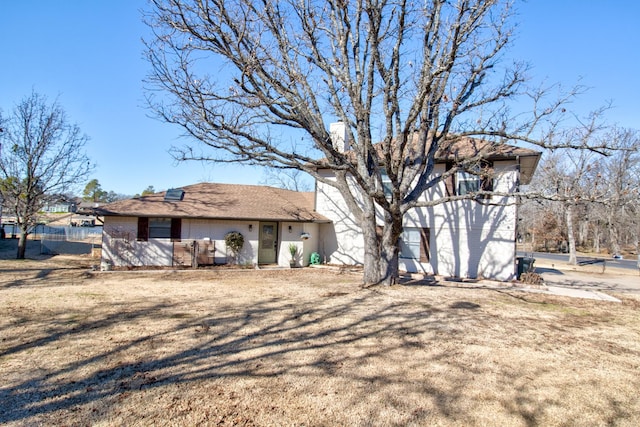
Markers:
point(268, 243)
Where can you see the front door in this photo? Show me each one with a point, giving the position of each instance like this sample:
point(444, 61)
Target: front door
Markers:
point(268, 243)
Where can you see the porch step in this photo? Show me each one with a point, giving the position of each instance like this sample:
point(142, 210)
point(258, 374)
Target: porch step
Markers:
point(271, 267)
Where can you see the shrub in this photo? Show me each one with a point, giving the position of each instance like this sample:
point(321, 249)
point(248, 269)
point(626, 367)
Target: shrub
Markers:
point(234, 241)
point(532, 279)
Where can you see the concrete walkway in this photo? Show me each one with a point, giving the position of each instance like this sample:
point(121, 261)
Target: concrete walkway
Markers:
point(575, 292)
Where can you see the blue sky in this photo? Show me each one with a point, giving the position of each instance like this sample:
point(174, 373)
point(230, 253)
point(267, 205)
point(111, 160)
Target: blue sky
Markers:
point(88, 54)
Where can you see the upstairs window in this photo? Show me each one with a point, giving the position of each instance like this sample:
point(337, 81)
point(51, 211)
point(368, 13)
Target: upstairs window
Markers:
point(478, 179)
point(467, 183)
point(387, 186)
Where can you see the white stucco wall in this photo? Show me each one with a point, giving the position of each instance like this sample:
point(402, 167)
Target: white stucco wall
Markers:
point(305, 247)
point(341, 241)
point(468, 239)
point(120, 247)
point(195, 229)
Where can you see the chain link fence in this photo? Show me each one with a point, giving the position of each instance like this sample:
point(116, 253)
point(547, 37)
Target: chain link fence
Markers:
point(67, 239)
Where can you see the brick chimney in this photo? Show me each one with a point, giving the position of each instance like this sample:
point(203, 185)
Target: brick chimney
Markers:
point(339, 137)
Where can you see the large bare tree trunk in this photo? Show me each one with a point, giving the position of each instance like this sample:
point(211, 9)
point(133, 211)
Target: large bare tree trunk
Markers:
point(371, 274)
point(389, 248)
point(388, 267)
point(382, 250)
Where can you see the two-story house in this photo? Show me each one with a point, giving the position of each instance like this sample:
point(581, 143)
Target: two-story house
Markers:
point(463, 238)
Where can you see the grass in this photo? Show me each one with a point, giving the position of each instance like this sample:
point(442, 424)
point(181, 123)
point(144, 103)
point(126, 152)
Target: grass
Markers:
point(305, 347)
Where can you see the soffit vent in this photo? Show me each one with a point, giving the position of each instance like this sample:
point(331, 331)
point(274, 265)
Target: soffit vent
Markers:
point(174, 195)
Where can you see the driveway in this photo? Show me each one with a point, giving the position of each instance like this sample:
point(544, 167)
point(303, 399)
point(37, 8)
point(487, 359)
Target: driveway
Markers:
point(589, 278)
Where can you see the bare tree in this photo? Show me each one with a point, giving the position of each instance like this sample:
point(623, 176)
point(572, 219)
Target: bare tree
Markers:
point(42, 154)
point(408, 78)
point(621, 176)
point(598, 190)
point(567, 178)
point(289, 179)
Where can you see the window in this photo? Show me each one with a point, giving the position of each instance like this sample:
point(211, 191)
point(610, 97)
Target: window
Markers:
point(414, 244)
point(467, 183)
point(386, 184)
point(480, 178)
point(159, 228)
point(174, 194)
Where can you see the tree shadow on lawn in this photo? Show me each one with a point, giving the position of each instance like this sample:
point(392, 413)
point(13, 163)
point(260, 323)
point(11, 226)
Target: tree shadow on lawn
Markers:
point(270, 337)
point(9, 250)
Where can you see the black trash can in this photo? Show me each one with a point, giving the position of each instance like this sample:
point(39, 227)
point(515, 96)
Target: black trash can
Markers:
point(524, 265)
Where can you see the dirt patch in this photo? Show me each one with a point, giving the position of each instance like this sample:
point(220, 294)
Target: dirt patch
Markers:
point(304, 347)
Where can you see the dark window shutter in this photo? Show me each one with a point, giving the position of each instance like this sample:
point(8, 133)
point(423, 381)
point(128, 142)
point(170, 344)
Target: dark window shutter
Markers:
point(450, 182)
point(425, 250)
point(176, 229)
point(143, 229)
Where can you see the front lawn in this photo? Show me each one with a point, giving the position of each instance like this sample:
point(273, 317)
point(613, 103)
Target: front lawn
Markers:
point(305, 347)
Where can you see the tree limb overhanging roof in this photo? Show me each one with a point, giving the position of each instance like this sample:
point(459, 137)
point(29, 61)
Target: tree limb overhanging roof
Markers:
point(222, 201)
point(465, 148)
point(461, 148)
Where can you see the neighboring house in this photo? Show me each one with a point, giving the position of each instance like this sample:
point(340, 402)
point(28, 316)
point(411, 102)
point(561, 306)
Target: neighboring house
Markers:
point(465, 238)
point(60, 206)
point(187, 226)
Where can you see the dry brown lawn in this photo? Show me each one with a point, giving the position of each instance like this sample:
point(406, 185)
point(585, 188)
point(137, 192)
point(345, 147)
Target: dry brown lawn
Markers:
point(304, 348)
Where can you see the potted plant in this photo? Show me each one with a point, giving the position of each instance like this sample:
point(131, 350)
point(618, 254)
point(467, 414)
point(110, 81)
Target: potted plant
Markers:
point(293, 250)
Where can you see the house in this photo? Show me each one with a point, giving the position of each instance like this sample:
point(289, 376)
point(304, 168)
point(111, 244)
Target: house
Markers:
point(59, 207)
point(187, 226)
point(463, 238)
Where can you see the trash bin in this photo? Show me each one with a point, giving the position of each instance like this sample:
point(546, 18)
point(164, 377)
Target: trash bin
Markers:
point(524, 264)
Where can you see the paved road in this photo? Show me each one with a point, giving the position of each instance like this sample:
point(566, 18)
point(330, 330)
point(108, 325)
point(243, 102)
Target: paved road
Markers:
point(626, 264)
point(616, 278)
